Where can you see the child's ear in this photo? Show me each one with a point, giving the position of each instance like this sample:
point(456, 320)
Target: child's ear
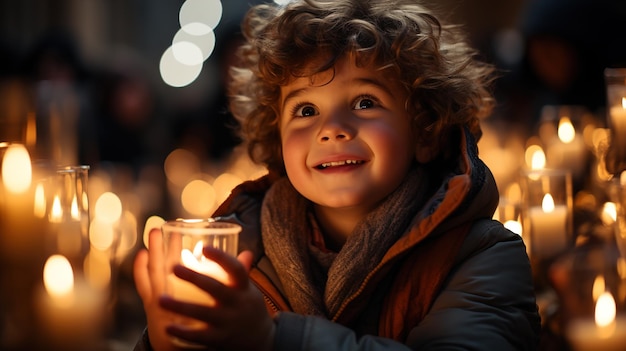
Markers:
point(425, 153)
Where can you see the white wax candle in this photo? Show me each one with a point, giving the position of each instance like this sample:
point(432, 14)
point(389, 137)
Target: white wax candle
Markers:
point(548, 229)
point(71, 312)
point(618, 124)
point(586, 335)
point(569, 155)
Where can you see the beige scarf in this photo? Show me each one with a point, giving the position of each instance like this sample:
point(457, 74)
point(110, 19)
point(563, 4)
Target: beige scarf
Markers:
point(316, 283)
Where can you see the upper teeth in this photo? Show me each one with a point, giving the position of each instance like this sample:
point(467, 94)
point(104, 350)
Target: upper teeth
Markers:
point(339, 163)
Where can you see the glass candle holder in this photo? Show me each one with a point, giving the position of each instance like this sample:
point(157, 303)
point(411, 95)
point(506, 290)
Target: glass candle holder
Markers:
point(184, 240)
point(615, 80)
point(561, 131)
point(547, 212)
point(590, 283)
point(68, 213)
point(617, 194)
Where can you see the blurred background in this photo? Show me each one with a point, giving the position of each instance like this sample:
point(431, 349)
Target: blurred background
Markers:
point(97, 82)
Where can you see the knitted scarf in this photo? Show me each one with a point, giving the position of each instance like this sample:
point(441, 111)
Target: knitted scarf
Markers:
point(316, 283)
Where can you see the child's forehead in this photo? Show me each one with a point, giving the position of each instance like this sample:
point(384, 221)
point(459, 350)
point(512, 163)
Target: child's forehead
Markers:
point(315, 72)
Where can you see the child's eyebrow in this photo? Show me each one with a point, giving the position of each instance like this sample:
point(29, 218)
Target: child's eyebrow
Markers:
point(293, 94)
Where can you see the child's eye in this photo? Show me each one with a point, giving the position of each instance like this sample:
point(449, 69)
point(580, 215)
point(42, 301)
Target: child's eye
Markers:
point(364, 102)
point(304, 110)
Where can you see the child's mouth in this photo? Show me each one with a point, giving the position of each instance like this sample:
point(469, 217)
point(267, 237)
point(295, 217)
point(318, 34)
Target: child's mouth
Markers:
point(327, 165)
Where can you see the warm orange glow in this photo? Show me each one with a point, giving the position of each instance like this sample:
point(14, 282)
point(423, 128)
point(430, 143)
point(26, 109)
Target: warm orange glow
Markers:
point(566, 130)
point(108, 207)
point(514, 226)
point(101, 234)
point(98, 269)
point(56, 212)
point(198, 198)
point(40, 202)
point(605, 310)
point(224, 184)
point(58, 276)
point(75, 213)
point(609, 213)
point(17, 171)
point(547, 204)
point(535, 157)
point(599, 286)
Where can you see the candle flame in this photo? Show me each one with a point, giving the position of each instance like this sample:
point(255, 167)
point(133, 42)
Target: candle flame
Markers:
point(599, 286)
point(197, 250)
point(609, 213)
point(56, 212)
point(538, 159)
point(191, 259)
point(58, 276)
point(74, 209)
point(198, 262)
point(605, 310)
point(17, 171)
point(40, 202)
point(624, 103)
point(566, 130)
point(547, 204)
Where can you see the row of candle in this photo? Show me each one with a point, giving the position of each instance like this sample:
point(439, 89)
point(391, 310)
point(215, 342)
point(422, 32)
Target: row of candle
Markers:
point(541, 209)
point(47, 224)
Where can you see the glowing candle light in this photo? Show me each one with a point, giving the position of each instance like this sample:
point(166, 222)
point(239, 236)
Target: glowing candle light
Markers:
point(549, 227)
point(196, 261)
point(70, 311)
point(19, 225)
point(17, 171)
point(605, 332)
point(568, 149)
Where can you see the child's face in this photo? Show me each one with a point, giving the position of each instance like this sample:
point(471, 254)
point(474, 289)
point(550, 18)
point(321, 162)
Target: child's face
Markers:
point(346, 139)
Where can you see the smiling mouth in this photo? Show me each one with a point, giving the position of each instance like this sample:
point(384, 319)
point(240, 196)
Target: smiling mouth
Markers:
point(326, 165)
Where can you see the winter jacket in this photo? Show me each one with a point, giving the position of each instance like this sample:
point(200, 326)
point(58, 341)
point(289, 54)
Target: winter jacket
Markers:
point(457, 280)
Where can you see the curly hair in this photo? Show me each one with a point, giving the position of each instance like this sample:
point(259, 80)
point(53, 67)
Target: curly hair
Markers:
point(448, 87)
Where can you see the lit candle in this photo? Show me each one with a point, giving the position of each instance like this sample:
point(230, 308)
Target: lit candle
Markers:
point(71, 312)
point(20, 226)
point(617, 115)
point(184, 290)
point(568, 149)
point(606, 332)
point(548, 228)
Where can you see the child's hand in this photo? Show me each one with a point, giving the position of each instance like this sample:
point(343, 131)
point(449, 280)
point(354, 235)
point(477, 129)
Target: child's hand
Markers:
point(238, 321)
point(149, 272)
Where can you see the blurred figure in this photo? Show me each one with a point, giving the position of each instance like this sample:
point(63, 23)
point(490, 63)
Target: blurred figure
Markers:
point(62, 100)
point(131, 127)
point(568, 45)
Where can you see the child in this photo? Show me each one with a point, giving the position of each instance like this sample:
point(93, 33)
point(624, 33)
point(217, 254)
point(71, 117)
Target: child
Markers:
point(373, 228)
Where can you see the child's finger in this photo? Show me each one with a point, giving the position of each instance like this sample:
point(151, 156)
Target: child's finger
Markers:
point(142, 278)
point(237, 272)
point(156, 266)
point(216, 289)
point(246, 258)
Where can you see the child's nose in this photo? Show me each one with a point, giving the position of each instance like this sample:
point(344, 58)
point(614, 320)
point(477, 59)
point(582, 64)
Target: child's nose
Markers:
point(336, 128)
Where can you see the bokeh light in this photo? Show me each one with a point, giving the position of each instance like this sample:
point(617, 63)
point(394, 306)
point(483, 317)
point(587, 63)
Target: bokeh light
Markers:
point(17, 171)
point(58, 276)
point(198, 198)
point(198, 17)
point(176, 73)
